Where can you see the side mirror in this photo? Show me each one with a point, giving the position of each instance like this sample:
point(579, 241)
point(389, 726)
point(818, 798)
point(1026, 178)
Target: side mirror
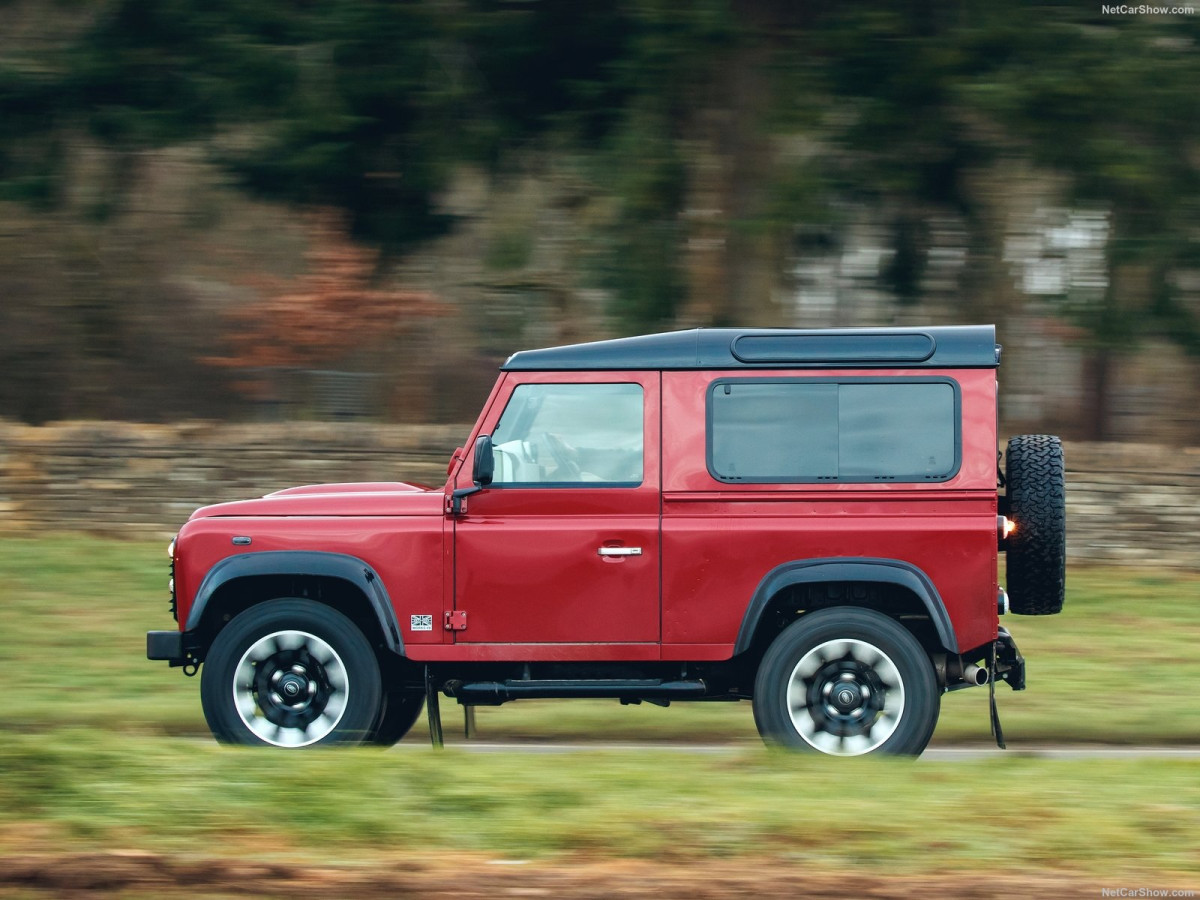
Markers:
point(482, 469)
point(485, 461)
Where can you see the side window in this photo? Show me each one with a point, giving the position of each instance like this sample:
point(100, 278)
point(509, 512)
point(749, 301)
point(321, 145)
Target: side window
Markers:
point(815, 430)
point(566, 434)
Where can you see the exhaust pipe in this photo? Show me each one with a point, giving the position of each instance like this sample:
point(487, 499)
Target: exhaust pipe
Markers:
point(974, 674)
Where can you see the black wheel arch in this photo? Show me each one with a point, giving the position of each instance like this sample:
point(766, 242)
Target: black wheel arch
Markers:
point(858, 570)
point(262, 571)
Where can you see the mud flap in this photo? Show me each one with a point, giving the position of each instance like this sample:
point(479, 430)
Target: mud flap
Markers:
point(433, 710)
point(1007, 664)
point(997, 731)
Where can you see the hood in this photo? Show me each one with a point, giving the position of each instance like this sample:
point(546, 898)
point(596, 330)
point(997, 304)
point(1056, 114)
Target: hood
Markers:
point(368, 498)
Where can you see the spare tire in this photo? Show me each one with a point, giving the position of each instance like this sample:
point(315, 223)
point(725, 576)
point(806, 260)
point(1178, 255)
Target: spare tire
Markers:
point(1037, 550)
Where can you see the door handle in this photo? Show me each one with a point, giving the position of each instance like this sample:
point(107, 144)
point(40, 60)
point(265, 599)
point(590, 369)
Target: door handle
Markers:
point(620, 551)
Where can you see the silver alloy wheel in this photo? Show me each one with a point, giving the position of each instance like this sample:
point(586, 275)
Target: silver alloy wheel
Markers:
point(290, 688)
point(845, 697)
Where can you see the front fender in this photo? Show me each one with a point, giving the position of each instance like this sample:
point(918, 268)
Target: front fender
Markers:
point(847, 568)
point(302, 562)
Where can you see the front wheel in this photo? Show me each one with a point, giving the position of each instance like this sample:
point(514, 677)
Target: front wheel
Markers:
point(401, 710)
point(291, 673)
point(846, 682)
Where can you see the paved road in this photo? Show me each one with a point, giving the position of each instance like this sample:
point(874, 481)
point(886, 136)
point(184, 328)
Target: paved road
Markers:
point(936, 754)
point(1082, 751)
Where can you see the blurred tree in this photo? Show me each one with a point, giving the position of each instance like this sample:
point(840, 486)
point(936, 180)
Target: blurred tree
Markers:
point(905, 133)
point(708, 137)
point(91, 326)
point(362, 105)
point(1114, 107)
point(930, 94)
point(668, 74)
point(331, 314)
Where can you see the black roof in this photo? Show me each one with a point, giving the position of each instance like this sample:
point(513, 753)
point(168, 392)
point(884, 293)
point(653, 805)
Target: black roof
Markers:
point(944, 347)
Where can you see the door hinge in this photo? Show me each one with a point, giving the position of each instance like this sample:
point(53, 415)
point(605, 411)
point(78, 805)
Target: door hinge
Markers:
point(456, 620)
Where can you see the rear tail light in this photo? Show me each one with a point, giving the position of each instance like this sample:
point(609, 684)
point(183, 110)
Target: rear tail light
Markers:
point(1005, 527)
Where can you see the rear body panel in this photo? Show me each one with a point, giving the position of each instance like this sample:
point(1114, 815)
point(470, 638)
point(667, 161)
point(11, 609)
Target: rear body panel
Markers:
point(720, 539)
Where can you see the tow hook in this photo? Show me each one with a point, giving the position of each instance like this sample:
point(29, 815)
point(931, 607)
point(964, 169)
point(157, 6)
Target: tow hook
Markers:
point(1009, 663)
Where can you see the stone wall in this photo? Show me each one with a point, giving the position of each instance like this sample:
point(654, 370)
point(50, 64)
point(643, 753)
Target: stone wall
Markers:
point(121, 478)
point(1127, 503)
point(1133, 503)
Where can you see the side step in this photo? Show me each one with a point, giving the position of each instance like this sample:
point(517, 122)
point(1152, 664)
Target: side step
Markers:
point(496, 692)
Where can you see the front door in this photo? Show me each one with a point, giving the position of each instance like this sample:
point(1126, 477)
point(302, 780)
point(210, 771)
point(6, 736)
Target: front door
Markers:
point(563, 546)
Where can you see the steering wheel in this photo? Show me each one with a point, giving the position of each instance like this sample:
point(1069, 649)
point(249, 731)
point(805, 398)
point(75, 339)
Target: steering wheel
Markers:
point(561, 451)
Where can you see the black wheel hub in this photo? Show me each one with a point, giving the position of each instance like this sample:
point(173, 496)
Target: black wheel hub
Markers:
point(292, 688)
point(845, 697)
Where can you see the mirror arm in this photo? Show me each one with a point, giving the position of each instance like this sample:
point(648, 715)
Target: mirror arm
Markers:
point(481, 473)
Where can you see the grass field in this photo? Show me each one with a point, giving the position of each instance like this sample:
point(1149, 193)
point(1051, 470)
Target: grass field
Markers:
point(104, 750)
point(86, 791)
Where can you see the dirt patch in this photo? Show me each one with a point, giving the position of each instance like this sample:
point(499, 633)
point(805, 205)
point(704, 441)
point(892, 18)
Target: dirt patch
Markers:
point(137, 874)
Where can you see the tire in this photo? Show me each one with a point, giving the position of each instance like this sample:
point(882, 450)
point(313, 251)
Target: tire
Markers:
point(291, 648)
point(847, 682)
point(1037, 550)
point(402, 709)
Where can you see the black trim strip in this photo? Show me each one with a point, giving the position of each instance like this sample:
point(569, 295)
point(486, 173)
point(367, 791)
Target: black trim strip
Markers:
point(946, 347)
point(798, 347)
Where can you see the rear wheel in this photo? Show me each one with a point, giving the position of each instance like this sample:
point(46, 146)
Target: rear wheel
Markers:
point(846, 682)
point(291, 673)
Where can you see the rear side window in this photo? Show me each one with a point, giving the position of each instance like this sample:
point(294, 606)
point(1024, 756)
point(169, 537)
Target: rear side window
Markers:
point(847, 430)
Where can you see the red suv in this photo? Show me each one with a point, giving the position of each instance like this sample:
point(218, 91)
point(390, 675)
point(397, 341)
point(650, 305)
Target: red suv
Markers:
point(809, 520)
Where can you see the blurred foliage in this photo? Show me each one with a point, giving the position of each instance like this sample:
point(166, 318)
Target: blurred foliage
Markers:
point(332, 313)
point(683, 120)
point(75, 790)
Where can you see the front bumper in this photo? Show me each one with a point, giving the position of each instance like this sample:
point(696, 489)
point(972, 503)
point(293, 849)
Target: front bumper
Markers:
point(172, 646)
